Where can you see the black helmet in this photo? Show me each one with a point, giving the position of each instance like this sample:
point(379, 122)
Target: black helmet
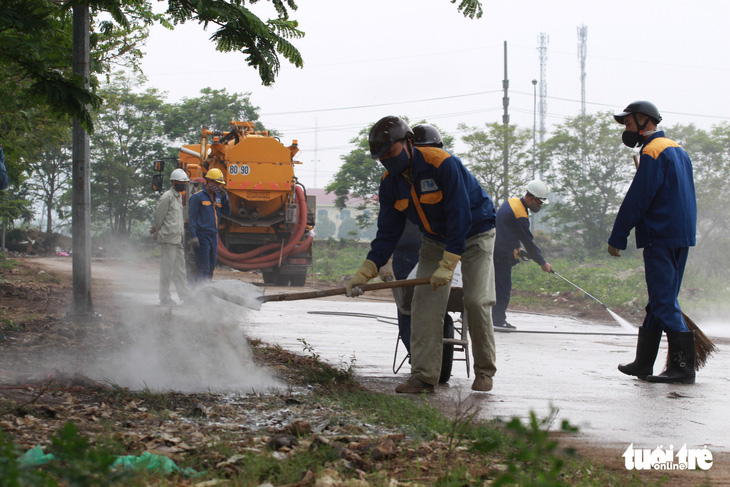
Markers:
point(385, 133)
point(642, 106)
point(425, 134)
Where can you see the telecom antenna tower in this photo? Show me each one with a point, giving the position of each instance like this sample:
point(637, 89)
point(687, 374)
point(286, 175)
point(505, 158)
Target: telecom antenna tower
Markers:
point(543, 39)
point(582, 49)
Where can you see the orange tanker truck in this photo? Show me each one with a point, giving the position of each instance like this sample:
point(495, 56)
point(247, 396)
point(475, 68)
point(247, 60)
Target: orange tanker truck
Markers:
point(270, 227)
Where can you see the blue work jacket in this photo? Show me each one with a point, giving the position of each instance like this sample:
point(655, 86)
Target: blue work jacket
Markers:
point(513, 227)
point(660, 202)
point(204, 213)
point(450, 205)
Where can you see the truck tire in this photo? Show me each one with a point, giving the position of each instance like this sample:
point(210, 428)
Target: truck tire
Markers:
point(298, 280)
point(270, 276)
point(447, 359)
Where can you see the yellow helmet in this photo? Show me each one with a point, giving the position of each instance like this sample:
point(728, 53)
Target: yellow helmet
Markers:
point(216, 175)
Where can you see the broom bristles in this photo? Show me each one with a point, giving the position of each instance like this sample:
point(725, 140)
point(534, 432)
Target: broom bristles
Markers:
point(704, 347)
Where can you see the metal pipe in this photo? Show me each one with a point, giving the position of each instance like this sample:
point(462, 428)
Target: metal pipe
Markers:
point(189, 152)
point(582, 290)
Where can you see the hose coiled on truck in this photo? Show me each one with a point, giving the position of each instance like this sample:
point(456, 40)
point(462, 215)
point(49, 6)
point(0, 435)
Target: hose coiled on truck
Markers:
point(254, 260)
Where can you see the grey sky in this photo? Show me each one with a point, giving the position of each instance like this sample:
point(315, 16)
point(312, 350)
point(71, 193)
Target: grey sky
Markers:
point(422, 59)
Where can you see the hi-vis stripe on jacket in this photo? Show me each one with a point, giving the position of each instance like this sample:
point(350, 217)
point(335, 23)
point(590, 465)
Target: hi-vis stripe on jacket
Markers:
point(453, 206)
point(661, 201)
point(513, 228)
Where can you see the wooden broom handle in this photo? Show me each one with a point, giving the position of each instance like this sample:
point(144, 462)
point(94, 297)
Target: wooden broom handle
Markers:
point(342, 290)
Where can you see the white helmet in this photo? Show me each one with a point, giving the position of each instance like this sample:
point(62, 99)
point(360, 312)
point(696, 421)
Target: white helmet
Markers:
point(179, 175)
point(538, 189)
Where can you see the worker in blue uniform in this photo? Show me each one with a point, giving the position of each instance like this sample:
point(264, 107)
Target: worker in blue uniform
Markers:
point(204, 213)
point(513, 229)
point(405, 259)
point(661, 205)
point(431, 187)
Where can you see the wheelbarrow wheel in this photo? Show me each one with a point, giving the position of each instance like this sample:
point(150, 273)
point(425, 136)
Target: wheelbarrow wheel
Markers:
point(447, 359)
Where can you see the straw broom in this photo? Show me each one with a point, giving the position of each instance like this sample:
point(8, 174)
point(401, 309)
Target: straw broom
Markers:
point(704, 347)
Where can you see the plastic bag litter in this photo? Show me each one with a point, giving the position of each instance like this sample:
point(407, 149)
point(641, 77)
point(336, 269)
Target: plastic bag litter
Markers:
point(151, 461)
point(34, 457)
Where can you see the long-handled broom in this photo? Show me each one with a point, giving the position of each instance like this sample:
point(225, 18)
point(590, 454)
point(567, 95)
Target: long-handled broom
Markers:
point(704, 347)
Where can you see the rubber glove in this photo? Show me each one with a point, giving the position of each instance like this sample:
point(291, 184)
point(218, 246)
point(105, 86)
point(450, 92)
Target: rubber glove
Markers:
point(386, 272)
point(445, 271)
point(367, 271)
point(195, 243)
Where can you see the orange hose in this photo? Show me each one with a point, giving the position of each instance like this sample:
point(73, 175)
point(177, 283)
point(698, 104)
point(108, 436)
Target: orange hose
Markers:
point(247, 261)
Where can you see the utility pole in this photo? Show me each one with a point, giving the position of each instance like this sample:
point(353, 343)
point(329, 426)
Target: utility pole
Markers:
point(543, 38)
point(505, 121)
point(582, 49)
point(534, 124)
point(81, 185)
point(316, 131)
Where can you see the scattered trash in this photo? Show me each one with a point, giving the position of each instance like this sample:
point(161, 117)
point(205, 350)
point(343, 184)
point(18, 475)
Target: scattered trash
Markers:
point(150, 461)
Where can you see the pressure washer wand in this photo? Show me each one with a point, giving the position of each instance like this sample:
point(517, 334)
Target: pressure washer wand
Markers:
point(582, 290)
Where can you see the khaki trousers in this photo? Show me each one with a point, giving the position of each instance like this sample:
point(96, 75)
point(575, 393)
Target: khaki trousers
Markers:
point(172, 266)
point(429, 306)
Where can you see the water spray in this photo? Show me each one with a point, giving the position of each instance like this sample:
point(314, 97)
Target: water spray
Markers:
point(624, 324)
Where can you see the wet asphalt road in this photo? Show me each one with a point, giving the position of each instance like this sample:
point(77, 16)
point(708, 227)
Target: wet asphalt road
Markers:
point(553, 363)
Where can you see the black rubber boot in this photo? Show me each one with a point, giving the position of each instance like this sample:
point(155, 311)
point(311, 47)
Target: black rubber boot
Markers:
point(681, 366)
point(647, 348)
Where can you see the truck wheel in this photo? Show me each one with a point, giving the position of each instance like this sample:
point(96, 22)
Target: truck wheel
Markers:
point(447, 359)
point(298, 280)
point(269, 277)
point(282, 279)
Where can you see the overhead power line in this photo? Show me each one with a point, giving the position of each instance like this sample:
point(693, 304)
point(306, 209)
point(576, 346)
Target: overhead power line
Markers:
point(382, 104)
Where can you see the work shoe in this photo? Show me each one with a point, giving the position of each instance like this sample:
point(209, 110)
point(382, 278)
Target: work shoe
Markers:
point(482, 382)
point(168, 302)
point(414, 385)
point(504, 327)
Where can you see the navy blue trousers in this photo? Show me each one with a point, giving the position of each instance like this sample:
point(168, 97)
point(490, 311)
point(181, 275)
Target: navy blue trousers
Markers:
point(403, 263)
point(664, 270)
point(206, 256)
point(503, 289)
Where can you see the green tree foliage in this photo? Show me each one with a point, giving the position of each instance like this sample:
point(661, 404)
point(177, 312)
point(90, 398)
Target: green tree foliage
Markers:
point(349, 229)
point(325, 227)
point(13, 205)
point(485, 158)
point(130, 137)
point(590, 190)
point(49, 170)
point(214, 109)
point(358, 178)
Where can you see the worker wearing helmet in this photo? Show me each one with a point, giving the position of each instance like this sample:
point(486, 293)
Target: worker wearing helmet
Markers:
point(514, 242)
point(204, 212)
point(661, 205)
point(431, 187)
point(168, 229)
point(405, 259)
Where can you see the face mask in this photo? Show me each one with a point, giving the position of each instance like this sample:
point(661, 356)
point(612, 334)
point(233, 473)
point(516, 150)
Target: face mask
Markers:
point(179, 187)
point(632, 139)
point(398, 164)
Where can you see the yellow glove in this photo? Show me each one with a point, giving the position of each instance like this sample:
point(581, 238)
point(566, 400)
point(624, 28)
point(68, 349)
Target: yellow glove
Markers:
point(386, 272)
point(367, 271)
point(445, 271)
